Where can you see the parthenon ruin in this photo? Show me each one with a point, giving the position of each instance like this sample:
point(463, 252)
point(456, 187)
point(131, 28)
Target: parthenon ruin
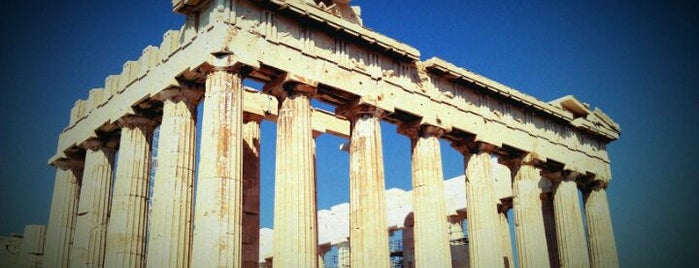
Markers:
point(104, 215)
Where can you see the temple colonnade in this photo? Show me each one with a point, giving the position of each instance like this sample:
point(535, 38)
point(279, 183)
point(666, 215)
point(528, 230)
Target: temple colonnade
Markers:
point(103, 214)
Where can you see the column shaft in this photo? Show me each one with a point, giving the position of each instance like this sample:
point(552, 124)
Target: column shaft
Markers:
point(126, 233)
point(344, 255)
point(64, 205)
point(459, 249)
point(484, 247)
point(322, 250)
point(91, 222)
point(505, 240)
point(295, 224)
point(218, 213)
point(251, 191)
point(599, 228)
point(572, 247)
point(550, 229)
point(170, 229)
point(431, 226)
point(529, 222)
point(368, 220)
point(32, 247)
point(409, 241)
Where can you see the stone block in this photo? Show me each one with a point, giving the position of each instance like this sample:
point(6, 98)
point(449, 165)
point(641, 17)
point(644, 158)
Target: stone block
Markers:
point(148, 60)
point(75, 112)
point(95, 99)
point(171, 41)
point(10, 253)
point(128, 74)
point(33, 242)
point(111, 85)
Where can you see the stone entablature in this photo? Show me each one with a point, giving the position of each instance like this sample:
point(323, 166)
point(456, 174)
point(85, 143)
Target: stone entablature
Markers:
point(378, 70)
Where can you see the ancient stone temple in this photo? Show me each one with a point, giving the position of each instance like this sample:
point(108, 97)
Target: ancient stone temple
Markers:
point(104, 215)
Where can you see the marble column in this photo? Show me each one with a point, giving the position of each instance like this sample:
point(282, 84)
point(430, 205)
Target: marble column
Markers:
point(532, 250)
point(170, 229)
point(456, 232)
point(457, 245)
point(64, 206)
point(368, 219)
point(572, 247)
point(408, 238)
point(32, 247)
point(126, 232)
point(93, 209)
point(219, 203)
point(344, 255)
point(322, 250)
point(505, 240)
point(484, 246)
point(600, 235)
point(295, 224)
point(550, 228)
point(431, 231)
point(251, 190)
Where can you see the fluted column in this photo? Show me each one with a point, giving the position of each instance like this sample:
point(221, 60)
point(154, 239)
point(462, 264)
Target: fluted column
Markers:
point(572, 247)
point(170, 229)
point(368, 219)
point(64, 205)
point(484, 246)
point(295, 224)
point(456, 232)
point(409, 241)
point(322, 250)
point(251, 190)
point(600, 234)
point(344, 255)
point(219, 204)
point(431, 231)
point(32, 247)
point(93, 209)
point(532, 250)
point(126, 232)
point(457, 245)
point(550, 229)
point(505, 240)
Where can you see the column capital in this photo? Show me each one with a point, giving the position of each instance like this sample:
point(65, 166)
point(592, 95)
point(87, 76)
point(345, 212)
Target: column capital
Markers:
point(229, 62)
point(68, 163)
point(455, 218)
point(355, 111)
point(505, 205)
point(289, 84)
point(467, 147)
point(515, 161)
point(249, 117)
point(594, 185)
point(134, 121)
point(226, 69)
point(416, 130)
point(571, 175)
point(322, 249)
point(94, 144)
point(296, 88)
point(176, 94)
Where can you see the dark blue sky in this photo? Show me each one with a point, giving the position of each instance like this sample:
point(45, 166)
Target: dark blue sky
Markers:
point(636, 61)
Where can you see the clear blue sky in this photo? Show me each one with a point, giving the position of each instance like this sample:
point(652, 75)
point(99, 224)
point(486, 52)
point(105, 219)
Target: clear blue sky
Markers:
point(637, 61)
